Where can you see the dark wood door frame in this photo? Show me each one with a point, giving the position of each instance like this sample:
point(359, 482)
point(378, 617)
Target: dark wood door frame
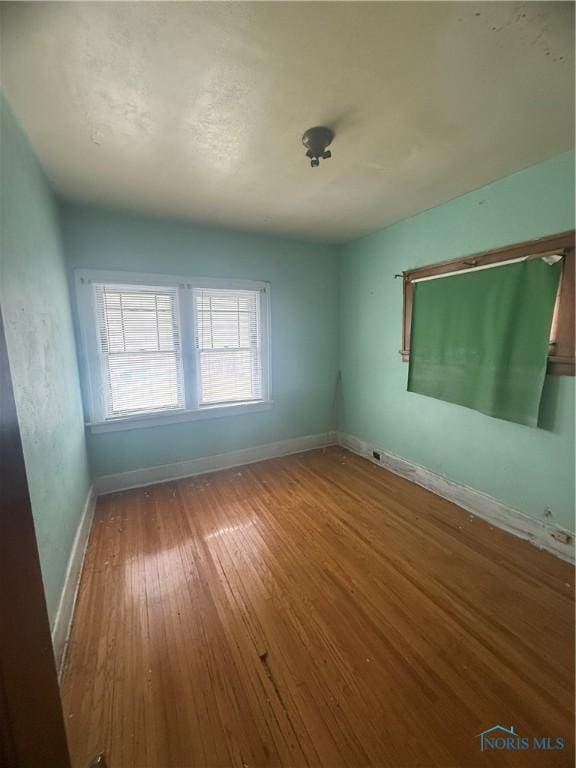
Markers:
point(32, 732)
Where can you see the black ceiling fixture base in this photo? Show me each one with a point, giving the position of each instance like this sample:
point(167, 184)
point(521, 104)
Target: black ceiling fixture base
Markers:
point(316, 140)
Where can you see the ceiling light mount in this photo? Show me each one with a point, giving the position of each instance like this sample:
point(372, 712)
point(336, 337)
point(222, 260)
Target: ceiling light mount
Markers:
point(316, 140)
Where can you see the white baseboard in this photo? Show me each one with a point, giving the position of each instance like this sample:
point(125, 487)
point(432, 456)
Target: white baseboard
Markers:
point(63, 620)
point(477, 503)
point(151, 475)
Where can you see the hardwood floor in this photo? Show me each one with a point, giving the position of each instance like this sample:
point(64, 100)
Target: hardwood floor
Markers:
point(313, 610)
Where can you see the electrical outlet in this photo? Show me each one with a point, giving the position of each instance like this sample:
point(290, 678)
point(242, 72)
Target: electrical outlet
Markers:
point(562, 536)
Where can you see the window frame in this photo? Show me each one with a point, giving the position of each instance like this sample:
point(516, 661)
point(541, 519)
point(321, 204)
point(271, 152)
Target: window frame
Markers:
point(561, 354)
point(103, 389)
point(91, 369)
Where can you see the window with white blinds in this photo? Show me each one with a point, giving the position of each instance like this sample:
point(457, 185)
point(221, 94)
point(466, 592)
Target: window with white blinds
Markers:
point(228, 341)
point(178, 348)
point(139, 342)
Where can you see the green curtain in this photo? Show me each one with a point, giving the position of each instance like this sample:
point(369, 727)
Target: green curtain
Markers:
point(480, 339)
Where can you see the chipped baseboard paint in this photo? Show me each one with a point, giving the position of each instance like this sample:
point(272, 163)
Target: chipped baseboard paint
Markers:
point(551, 538)
point(161, 474)
point(65, 612)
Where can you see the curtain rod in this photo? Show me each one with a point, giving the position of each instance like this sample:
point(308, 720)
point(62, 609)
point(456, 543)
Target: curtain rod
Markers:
point(551, 257)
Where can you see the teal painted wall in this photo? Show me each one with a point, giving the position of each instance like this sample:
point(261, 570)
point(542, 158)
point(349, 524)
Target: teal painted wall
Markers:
point(304, 308)
point(39, 334)
point(528, 469)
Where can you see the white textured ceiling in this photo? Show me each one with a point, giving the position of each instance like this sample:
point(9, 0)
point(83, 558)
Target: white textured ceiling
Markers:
point(197, 109)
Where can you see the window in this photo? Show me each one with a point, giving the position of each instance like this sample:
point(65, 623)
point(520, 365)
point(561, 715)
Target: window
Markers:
point(160, 349)
point(229, 346)
point(561, 354)
point(480, 338)
point(139, 344)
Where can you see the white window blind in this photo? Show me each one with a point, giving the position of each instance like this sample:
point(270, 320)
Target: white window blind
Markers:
point(229, 345)
point(140, 351)
point(161, 349)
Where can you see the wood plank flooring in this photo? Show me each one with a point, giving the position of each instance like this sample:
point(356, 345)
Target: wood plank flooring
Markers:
point(314, 610)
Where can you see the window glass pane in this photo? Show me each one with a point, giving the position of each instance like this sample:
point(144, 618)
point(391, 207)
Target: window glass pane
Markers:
point(143, 382)
point(229, 344)
point(140, 349)
point(229, 375)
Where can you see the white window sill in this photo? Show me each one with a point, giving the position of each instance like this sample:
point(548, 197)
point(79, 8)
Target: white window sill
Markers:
point(145, 420)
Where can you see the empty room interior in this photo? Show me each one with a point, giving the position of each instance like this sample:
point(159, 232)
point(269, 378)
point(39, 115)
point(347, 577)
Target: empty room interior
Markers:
point(287, 384)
